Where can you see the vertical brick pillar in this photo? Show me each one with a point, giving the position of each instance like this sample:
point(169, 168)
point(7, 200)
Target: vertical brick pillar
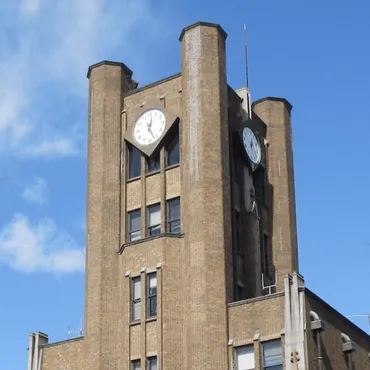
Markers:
point(205, 185)
point(107, 82)
point(275, 112)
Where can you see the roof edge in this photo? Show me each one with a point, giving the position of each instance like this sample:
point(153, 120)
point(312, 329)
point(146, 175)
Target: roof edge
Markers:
point(273, 98)
point(109, 63)
point(204, 24)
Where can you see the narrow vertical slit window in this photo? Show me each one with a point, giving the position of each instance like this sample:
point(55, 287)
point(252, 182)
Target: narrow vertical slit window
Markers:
point(134, 225)
point(154, 219)
point(173, 151)
point(152, 294)
point(272, 355)
point(153, 162)
point(152, 363)
point(134, 162)
point(173, 216)
point(136, 299)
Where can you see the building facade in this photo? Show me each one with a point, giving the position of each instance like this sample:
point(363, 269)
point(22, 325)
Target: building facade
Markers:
point(192, 257)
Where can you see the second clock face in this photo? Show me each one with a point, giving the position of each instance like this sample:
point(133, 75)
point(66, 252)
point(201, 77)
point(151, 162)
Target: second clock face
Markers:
point(251, 145)
point(149, 127)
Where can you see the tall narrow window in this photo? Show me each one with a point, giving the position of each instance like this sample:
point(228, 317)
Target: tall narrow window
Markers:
point(154, 219)
point(173, 152)
point(134, 162)
point(265, 254)
point(238, 231)
point(173, 216)
point(152, 294)
point(152, 363)
point(136, 299)
point(153, 163)
point(136, 365)
point(245, 358)
point(272, 355)
point(134, 225)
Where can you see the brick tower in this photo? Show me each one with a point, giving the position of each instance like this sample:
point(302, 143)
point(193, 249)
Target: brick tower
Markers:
point(192, 259)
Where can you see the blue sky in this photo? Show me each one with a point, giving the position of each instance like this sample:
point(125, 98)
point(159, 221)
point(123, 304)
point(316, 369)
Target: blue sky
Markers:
point(314, 53)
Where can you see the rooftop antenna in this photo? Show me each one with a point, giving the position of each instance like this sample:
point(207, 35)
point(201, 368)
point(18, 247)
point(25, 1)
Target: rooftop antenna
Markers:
point(78, 333)
point(247, 72)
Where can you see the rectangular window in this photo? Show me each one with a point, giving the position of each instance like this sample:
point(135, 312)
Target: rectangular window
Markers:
point(134, 225)
point(136, 365)
point(245, 358)
point(136, 298)
point(173, 152)
point(265, 254)
point(272, 355)
point(152, 294)
point(153, 163)
point(173, 216)
point(152, 363)
point(154, 219)
point(134, 162)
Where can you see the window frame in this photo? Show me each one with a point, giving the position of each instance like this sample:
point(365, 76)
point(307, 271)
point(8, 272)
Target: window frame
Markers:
point(274, 366)
point(170, 147)
point(152, 296)
point(135, 300)
point(130, 232)
point(149, 364)
point(154, 158)
point(238, 348)
point(169, 220)
point(149, 227)
point(135, 362)
point(131, 174)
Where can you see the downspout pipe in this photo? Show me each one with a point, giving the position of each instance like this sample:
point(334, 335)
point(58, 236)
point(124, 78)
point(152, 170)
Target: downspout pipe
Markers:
point(348, 347)
point(317, 326)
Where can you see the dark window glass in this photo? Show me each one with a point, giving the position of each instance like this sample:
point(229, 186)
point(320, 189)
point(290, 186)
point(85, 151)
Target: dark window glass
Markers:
point(152, 363)
point(136, 365)
point(134, 162)
point(265, 254)
point(154, 219)
point(272, 355)
point(153, 163)
point(173, 216)
point(238, 231)
point(136, 299)
point(134, 225)
point(173, 152)
point(152, 294)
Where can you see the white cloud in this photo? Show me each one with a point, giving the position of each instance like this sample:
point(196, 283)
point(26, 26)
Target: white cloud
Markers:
point(39, 248)
point(36, 192)
point(46, 48)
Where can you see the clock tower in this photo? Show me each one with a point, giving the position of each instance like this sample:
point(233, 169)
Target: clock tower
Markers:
point(192, 259)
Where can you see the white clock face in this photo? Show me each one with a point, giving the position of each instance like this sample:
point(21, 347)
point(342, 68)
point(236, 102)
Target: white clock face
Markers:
point(149, 127)
point(251, 145)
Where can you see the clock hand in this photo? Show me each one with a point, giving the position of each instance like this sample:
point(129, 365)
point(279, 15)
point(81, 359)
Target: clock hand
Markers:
point(149, 126)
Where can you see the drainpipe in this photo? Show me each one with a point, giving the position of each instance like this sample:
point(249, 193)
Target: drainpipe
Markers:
point(348, 347)
point(317, 326)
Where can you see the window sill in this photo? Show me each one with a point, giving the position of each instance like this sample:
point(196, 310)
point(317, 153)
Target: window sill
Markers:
point(149, 238)
point(148, 174)
point(132, 179)
point(151, 319)
point(134, 323)
point(172, 166)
